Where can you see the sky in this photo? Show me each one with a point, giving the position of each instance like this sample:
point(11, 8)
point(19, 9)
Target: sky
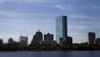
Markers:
point(25, 17)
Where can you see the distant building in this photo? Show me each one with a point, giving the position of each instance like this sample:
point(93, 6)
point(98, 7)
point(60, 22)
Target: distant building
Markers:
point(1, 42)
point(48, 42)
point(61, 41)
point(23, 40)
point(37, 38)
point(97, 41)
point(61, 27)
point(10, 41)
point(62, 31)
point(91, 38)
point(49, 37)
point(69, 40)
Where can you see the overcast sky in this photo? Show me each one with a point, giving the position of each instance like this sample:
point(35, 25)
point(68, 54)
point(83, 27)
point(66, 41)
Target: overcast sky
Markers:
point(25, 17)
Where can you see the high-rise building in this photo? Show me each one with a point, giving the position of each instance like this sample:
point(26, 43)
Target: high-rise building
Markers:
point(23, 40)
point(1, 42)
point(69, 40)
point(61, 41)
point(37, 38)
point(61, 27)
point(97, 41)
point(49, 37)
point(91, 38)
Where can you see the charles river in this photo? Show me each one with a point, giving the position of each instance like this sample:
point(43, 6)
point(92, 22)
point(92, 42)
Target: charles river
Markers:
point(51, 54)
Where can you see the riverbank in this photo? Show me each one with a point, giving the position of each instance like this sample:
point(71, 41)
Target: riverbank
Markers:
point(49, 48)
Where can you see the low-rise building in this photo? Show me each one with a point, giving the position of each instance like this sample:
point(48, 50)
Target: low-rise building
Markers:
point(23, 40)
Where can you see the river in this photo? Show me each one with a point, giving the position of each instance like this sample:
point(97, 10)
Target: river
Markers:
point(51, 54)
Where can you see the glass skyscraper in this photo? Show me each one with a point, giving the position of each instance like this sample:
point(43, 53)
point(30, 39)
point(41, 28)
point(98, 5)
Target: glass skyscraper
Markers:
point(61, 27)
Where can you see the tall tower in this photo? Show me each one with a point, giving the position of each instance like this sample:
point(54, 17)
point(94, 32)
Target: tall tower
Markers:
point(61, 27)
point(37, 38)
point(91, 38)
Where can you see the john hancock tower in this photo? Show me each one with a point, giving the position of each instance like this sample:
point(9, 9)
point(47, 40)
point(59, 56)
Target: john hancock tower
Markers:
point(62, 30)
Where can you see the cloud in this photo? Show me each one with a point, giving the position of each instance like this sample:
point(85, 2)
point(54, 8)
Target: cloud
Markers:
point(77, 27)
point(60, 7)
point(3, 1)
point(29, 1)
point(84, 17)
point(8, 14)
point(84, 20)
point(40, 1)
point(63, 7)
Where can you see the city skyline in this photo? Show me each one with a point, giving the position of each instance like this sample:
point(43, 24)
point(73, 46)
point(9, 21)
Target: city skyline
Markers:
point(19, 17)
point(45, 39)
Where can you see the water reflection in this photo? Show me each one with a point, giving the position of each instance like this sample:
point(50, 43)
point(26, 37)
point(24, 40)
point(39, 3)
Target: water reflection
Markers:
point(52, 54)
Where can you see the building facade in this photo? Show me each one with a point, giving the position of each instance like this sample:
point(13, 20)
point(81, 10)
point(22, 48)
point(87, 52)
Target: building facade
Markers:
point(23, 40)
point(61, 27)
point(10, 41)
point(37, 38)
point(69, 40)
point(97, 41)
point(91, 38)
point(49, 37)
point(1, 42)
point(48, 40)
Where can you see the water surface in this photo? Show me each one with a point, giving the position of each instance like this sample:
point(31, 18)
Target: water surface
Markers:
point(51, 54)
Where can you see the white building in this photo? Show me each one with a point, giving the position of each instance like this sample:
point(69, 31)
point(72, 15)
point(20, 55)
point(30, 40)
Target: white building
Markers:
point(24, 40)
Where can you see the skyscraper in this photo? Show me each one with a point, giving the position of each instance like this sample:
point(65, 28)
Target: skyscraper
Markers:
point(37, 38)
point(61, 27)
point(1, 42)
point(91, 38)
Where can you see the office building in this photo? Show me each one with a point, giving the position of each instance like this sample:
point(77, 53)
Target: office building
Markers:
point(91, 38)
point(1, 42)
point(97, 41)
point(69, 40)
point(48, 40)
point(37, 38)
point(23, 40)
point(49, 37)
point(10, 41)
point(61, 27)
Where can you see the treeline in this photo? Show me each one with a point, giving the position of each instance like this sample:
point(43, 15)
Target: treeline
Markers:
point(48, 47)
